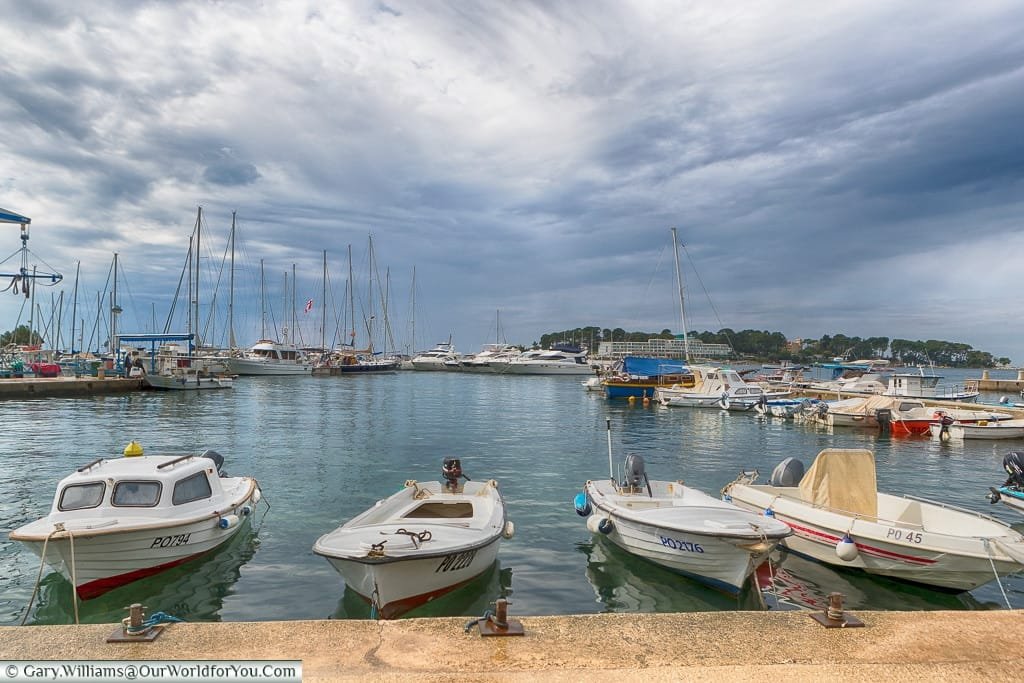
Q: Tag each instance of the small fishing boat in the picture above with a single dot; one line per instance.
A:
(1011, 493)
(839, 518)
(948, 429)
(678, 527)
(119, 520)
(420, 543)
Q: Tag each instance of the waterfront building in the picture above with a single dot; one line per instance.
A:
(663, 348)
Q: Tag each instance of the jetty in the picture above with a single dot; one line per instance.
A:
(749, 646)
(64, 387)
(987, 384)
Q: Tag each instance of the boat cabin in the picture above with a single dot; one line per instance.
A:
(147, 486)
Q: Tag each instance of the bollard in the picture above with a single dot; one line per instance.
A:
(498, 624)
(833, 616)
(133, 628)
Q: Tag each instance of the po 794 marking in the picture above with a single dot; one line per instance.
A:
(170, 541)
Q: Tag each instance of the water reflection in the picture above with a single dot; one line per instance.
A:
(790, 581)
(624, 583)
(470, 600)
(194, 591)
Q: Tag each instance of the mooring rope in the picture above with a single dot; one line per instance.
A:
(992, 562)
(74, 576)
(39, 577)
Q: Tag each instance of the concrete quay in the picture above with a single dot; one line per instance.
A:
(62, 387)
(730, 646)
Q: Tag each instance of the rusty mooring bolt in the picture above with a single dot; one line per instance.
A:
(833, 616)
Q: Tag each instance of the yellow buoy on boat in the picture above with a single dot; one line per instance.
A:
(134, 448)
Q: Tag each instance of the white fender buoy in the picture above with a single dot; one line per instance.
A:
(256, 495)
(509, 530)
(598, 524)
(228, 521)
(846, 549)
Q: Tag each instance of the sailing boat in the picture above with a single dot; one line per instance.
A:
(270, 356)
(708, 386)
(366, 360)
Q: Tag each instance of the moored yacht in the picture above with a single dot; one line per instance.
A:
(441, 357)
(268, 357)
(560, 359)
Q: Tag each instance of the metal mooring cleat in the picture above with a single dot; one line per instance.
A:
(497, 623)
(134, 628)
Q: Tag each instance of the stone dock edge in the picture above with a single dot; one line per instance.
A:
(717, 646)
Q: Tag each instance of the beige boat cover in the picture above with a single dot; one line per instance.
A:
(842, 479)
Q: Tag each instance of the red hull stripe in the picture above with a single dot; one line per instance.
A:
(96, 588)
(825, 537)
(399, 607)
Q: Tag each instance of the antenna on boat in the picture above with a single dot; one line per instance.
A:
(611, 468)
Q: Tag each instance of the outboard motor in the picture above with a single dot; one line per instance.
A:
(789, 472)
(634, 474)
(884, 417)
(218, 460)
(451, 470)
(1013, 463)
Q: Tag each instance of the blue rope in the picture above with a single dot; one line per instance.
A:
(153, 620)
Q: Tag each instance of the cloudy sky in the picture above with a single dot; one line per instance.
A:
(844, 167)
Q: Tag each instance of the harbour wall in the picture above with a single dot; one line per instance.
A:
(60, 387)
(761, 646)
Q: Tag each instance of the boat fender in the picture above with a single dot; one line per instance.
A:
(256, 495)
(509, 530)
(581, 504)
(768, 512)
(846, 549)
(597, 523)
(246, 510)
(228, 521)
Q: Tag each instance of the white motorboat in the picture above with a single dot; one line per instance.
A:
(420, 543)
(1011, 493)
(269, 357)
(839, 518)
(982, 429)
(490, 358)
(441, 357)
(678, 527)
(560, 359)
(173, 368)
(714, 387)
(119, 520)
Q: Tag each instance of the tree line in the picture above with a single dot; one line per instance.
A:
(774, 346)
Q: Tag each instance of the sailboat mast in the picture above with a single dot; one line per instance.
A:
(293, 304)
(682, 308)
(74, 310)
(231, 289)
(195, 291)
(323, 308)
(351, 301)
(114, 311)
(263, 304)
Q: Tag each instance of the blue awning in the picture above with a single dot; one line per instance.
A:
(652, 367)
(11, 217)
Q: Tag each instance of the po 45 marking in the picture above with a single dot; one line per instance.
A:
(903, 535)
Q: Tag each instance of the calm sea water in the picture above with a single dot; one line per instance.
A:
(324, 449)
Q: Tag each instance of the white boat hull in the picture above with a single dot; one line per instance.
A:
(252, 366)
(191, 382)
(540, 368)
(98, 555)
(1002, 429)
(685, 531)
(901, 548)
(418, 544)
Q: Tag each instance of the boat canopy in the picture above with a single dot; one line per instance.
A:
(11, 217)
(652, 367)
(843, 479)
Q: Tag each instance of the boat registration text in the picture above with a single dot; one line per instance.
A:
(685, 546)
(456, 561)
(170, 541)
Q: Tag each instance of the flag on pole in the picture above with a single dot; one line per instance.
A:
(309, 306)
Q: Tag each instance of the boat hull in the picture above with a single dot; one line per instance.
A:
(904, 550)
(186, 383)
(249, 366)
(681, 539)
(400, 586)
(97, 559)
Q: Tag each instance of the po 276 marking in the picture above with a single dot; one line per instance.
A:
(170, 541)
(680, 545)
(901, 535)
(456, 561)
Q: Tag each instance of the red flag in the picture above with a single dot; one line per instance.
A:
(309, 306)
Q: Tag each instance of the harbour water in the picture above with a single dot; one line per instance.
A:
(325, 449)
